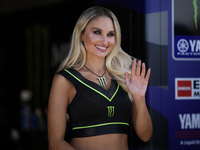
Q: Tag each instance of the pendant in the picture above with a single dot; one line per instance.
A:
(102, 81)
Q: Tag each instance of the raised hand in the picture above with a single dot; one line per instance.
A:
(138, 80)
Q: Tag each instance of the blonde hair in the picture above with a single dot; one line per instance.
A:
(117, 61)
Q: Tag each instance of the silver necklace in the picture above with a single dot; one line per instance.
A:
(101, 79)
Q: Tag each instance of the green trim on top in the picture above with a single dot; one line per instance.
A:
(109, 99)
(103, 124)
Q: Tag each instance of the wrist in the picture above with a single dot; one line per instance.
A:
(139, 98)
(139, 102)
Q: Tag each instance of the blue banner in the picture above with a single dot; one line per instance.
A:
(186, 47)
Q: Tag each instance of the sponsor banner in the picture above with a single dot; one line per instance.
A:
(183, 106)
(187, 88)
(186, 47)
(185, 30)
(189, 132)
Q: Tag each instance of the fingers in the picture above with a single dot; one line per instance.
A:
(148, 74)
(126, 77)
(133, 67)
(143, 70)
(136, 70)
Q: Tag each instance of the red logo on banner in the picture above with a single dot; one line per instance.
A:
(184, 88)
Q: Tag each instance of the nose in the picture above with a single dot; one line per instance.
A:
(104, 40)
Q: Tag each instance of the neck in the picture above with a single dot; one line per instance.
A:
(96, 66)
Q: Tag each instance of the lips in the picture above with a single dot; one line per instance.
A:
(101, 48)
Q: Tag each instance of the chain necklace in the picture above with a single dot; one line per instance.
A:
(101, 79)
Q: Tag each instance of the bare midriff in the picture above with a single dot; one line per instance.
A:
(101, 142)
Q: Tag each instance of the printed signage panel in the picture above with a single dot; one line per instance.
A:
(188, 135)
(186, 30)
(187, 88)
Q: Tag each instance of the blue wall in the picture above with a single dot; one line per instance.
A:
(162, 24)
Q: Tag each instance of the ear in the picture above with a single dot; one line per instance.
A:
(82, 37)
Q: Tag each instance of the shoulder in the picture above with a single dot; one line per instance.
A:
(61, 88)
(60, 82)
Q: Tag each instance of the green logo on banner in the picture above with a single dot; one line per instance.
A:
(195, 13)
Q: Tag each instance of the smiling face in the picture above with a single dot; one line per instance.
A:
(99, 37)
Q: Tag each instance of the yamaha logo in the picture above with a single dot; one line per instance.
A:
(187, 47)
(182, 45)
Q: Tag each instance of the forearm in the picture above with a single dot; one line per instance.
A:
(142, 120)
(60, 144)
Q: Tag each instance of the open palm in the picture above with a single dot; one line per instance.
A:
(137, 81)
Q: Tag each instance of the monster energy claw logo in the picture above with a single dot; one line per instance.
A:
(195, 13)
(102, 81)
(111, 111)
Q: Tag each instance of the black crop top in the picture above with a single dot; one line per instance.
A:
(95, 110)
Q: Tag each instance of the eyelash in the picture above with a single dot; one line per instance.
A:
(98, 32)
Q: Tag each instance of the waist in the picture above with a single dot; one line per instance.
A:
(100, 129)
(105, 142)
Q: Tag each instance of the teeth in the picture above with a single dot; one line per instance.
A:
(101, 47)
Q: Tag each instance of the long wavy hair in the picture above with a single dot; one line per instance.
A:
(117, 61)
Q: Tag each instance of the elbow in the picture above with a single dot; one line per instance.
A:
(50, 145)
(146, 136)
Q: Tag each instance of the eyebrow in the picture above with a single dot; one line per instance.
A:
(100, 29)
(96, 29)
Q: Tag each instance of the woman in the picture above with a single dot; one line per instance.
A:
(98, 89)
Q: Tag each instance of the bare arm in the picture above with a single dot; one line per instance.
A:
(57, 113)
(137, 85)
(141, 120)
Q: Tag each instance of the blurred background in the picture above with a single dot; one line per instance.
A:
(35, 37)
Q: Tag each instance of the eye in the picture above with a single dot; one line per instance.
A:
(97, 32)
(111, 34)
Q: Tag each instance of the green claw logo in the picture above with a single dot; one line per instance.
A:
(111, 111)
(195, 13)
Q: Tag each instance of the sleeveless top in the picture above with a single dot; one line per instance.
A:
(95, 110)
